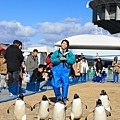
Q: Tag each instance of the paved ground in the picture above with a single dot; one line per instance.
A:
(88, 92)
(4, 94)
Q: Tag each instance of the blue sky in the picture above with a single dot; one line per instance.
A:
(30, 12)
(43, 22)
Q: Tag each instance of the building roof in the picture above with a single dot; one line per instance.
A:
(88, 41)
(94, 3)
(46, 49)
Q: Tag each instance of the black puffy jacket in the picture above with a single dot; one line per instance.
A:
(14, 58)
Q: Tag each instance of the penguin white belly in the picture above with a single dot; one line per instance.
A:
(24, 117)
(20, 110)
(76, 109)
(43, 111)
(99, 113)
(58, 112)
(105, 102)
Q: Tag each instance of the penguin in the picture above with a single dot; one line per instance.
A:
(105, 100)
(43, 111)
(20, 108)
(99, 113)
(76, 108)
(59, 110)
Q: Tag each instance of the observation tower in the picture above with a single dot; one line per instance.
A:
(106, 14)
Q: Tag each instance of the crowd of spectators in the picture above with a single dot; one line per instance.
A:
(14, 70)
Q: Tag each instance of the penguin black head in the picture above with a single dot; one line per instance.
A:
(76, 96)
(44, 98)
(103, 92)
(98, 102)
(21, 96)
(61, 100)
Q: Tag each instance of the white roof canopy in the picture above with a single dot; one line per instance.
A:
(88, 41)
(42, 49)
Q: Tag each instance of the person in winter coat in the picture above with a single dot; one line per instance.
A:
(38, 79)
(14, 59)
(62, 60)
(84, 69)
(98, 76)
(32, 62)
(3, 69)
(99, 65)
(77, 68)
(48, 61)
(116, 67)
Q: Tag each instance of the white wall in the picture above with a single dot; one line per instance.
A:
(106, 53)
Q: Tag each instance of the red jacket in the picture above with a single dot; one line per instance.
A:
(48, 61)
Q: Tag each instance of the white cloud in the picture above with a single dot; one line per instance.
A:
(53, 32)
(14, 30)
(68, 19)
(26, 31)
(49, 32)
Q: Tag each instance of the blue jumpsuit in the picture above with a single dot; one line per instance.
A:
(61, 71)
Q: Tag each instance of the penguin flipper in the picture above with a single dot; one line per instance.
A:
(11, 107)
(110, 105)
(29, 106)
(68, 106)
(85, 105)
(37, 104)
(108, 113)
(90, 114)
(110, 108)
(51, 106)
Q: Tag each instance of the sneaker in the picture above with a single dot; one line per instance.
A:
(40, 90)
(11, 95)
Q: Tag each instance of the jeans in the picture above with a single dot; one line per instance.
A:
(40, 85)
(83, 78)
(2, 81)
(77, 79)
(115, 77)
(13, 82)
(43, 83)
(35, 85)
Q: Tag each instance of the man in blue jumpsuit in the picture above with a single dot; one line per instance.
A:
(62, 60)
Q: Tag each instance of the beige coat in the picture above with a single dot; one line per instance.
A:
(116, 66)
(3, 66)
(77, 68)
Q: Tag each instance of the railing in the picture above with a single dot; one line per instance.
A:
(91, 73)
